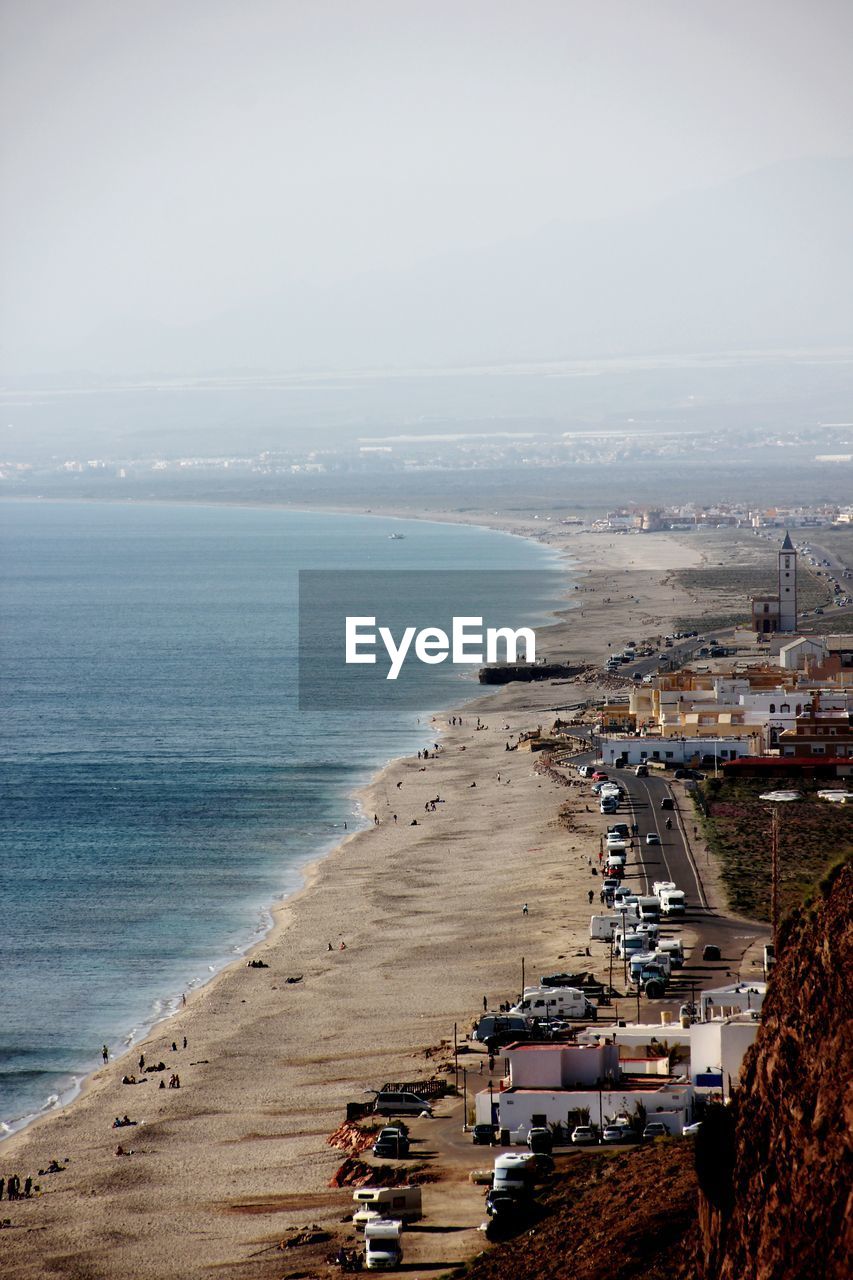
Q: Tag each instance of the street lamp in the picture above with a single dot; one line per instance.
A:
(776, 799)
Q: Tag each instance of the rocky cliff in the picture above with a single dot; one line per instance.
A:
(774, 1168)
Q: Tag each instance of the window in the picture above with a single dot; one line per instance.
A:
(772, 706)
(786, 706)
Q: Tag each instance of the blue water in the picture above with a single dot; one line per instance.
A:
(159, 788)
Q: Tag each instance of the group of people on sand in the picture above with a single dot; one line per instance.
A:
(14, 1190)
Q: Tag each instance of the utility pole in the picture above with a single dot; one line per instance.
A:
(464, 1099)
(455, 1060)
(522, 977)
(774, 871)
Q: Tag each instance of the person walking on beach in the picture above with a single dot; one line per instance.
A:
(524, 909)
(185, 1042)
(105, 1054)
(376, 819)
(142, 1062)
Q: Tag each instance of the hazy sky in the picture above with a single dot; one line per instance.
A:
(167, 161)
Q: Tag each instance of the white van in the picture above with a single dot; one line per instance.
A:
(639, 961)
(674, 948)
(648, 908)
(673, 902)
(628, 945)
(383, 1244)
(660, 886)
(555, 1002)
(384, 1202)
(514, 1171)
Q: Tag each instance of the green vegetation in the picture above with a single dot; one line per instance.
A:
(814, 835)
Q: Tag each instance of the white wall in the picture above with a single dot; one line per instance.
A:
(516, 1108)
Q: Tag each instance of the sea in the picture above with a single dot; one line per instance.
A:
(160, 786)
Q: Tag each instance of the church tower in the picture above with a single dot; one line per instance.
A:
(787, 586)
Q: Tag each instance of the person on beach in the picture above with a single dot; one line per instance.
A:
(105, 1054)
(342, 946)
(28, 1186)
(142, 1062)
(329, 946)
(174, 1047)
(376, 819)
(524, 910)
(185, 1042)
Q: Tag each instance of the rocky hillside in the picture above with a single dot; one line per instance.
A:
(775, 1168)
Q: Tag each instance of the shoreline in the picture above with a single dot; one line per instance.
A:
(146, 1027)
(363, 1015)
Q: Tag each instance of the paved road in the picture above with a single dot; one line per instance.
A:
(674, 859)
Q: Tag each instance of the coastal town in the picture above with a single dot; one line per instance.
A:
(420, 1121)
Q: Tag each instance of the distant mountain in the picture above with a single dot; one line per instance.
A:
(764, 261)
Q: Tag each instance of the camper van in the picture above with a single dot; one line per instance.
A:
(673, 902)
(555, 1002)
(615, 842)
(674, 948)
(516, 1172)
(644, 960)
(660, 885)
(383, 1244)
(629, 944)
(602, 928)
(648, 908)
(384, 1202)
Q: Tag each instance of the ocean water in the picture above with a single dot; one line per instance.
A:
(159, 787)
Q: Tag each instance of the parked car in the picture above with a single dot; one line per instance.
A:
(690, 1130)
(655, 1130)
(617, 1133)
(710, 952)
(390, 1102)
(540, 1139)
(653, 838)
(641, 771)
(583, 1135)
(484, 1135)
(392, 1143)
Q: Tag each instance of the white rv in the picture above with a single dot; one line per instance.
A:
(603, 928)
(673, 902)
(515, 1171)
(384, 1202)
(554, 1002)
(383, 1244)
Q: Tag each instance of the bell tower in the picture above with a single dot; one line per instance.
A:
(787, 585)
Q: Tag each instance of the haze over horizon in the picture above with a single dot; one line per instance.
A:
(205, 187)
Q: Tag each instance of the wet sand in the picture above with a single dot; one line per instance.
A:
(431, 918)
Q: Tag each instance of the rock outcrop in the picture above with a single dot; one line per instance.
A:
(774, 1168)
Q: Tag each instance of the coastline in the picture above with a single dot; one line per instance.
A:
(213, 1016)
(268, 909)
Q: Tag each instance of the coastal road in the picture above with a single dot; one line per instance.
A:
(677, 858)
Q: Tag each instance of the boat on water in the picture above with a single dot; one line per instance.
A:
(396, 537)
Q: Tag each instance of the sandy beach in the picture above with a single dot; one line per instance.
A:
(430, 920)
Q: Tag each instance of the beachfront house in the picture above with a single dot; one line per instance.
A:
(575, 1084)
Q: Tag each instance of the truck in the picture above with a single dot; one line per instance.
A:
(383, 1244)
(554, 1002)
(383, 1202)
(494, 1024)
(673, 902)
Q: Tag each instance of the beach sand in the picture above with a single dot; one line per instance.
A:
(237, 1159)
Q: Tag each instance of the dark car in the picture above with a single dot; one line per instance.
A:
(391, 1144)
(710, 952)
(667, 803)
(484, 1135)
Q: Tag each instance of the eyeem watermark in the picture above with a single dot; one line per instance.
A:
(371, 639)
(469, 642)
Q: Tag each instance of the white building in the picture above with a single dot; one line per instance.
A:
(676, 751)
(574, 1084)
(717, 1051)
(793, 655)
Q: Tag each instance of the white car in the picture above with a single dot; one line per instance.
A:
(690, 1130)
